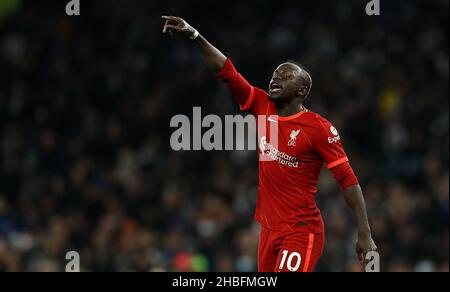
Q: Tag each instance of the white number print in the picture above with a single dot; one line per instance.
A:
(290, 259)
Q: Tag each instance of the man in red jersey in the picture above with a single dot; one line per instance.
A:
(292, 231)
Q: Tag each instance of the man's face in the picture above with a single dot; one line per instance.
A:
(285, 83)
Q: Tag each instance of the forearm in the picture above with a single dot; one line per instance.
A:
(355, 200)
(239, 88)
(213, 58)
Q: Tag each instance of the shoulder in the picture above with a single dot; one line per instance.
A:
(316, 120)
(261, 92)
(260, 95)
(319, 125)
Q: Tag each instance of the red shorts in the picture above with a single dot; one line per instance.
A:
(291, 251)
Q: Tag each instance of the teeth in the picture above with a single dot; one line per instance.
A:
(275, 86)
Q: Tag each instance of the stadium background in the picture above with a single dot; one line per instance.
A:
(85, 105)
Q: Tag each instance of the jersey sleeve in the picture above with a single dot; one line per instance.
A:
(344, 175)
(327, 143)
(249, 98)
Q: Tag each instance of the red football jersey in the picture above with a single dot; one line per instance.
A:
(288, 167)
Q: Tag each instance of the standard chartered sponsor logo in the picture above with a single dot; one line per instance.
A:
(262, 145)
(271, 151)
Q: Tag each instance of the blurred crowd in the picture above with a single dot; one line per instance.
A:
(85, 109)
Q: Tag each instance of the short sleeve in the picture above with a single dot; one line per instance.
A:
(327, 142)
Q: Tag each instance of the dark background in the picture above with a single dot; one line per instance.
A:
(85, 106)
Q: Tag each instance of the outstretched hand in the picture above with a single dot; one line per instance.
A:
(177, 25)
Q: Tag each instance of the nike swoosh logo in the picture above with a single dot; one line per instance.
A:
(272, 120)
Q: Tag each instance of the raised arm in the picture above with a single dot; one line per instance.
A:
(218, 63)
(214, 59)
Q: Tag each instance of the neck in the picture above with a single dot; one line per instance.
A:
(289, 108)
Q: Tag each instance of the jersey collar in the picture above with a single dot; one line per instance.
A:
(288, 118)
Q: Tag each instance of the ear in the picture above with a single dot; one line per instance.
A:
(302, 90)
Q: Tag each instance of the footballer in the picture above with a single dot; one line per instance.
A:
(292, 229)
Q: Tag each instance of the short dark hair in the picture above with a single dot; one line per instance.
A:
(306, 77)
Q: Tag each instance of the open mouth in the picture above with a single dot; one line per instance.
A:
(275, 87)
